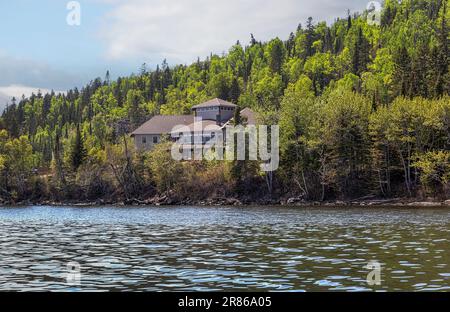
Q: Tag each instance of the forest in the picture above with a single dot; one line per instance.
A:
(363, 110)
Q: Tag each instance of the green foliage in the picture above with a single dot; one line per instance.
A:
(346, 139)
(16, 164)
(356, 104)
(165, 171)
(134, 106)
(78, 152)
(275, 55)
(435, 172)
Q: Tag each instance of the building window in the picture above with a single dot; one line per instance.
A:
(144, 140)
(155, 140)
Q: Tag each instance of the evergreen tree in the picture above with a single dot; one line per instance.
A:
(290, 45)
(405, 58)
(360, 53)
(237, 116)
(402, 72)
(442, 56)
(58, 163)
(310, 37)
(78, 152)
(234, 91)
(276, 55)
(349, 21)
(252, 40)
(107, 78)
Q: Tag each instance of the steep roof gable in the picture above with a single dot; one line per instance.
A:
(214, 103)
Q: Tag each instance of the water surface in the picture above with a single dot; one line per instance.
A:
(226, 249)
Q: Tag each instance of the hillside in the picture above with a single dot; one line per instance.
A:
(364, 110)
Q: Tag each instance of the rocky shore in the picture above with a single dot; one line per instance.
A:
(164, 200)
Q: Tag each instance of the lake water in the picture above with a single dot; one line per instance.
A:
(223, 249)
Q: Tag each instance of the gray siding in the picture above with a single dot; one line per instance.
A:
(226, 113)
(146, 141)
(210, 113)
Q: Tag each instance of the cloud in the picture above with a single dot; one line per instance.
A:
(8, 92)
(18, 90)
(26, 72)
(20, 76)
(181, 30)
(4, 99)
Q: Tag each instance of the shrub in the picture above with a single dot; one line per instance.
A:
(435, 172)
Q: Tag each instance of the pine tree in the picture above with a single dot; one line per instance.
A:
(143, 69)
(58, 160)
(107, 78)
(237, 116)
(349, 21)
(290, 45)
(360, 53)
(252, 40)
(78, 153)
(386, 18)
(355, 58)
(310, 35)
(234, 91)
(442, 57)
(276, 55)
(328, 43)
(402, 71)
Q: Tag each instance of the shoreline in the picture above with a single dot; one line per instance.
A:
(229, 202)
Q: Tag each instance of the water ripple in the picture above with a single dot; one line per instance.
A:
(192, 249)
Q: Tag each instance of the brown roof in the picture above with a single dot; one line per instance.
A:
(163, 124)
(213, 103)
(200, 126)
(249, 115)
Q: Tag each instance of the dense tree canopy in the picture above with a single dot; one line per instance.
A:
(363, 109)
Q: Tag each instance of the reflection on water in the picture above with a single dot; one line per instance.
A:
(276, 249)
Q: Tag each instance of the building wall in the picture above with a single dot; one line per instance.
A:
(146, 142)
(226, 113)
(207, 112)
(210, 113)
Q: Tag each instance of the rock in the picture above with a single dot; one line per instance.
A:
(380, 202)
(294, 200)
(161, 200)
(24, 203)
(424, 204)
(233, 201)
(83, 204)
(446, 203)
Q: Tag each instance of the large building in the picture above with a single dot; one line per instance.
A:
(215, 113)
